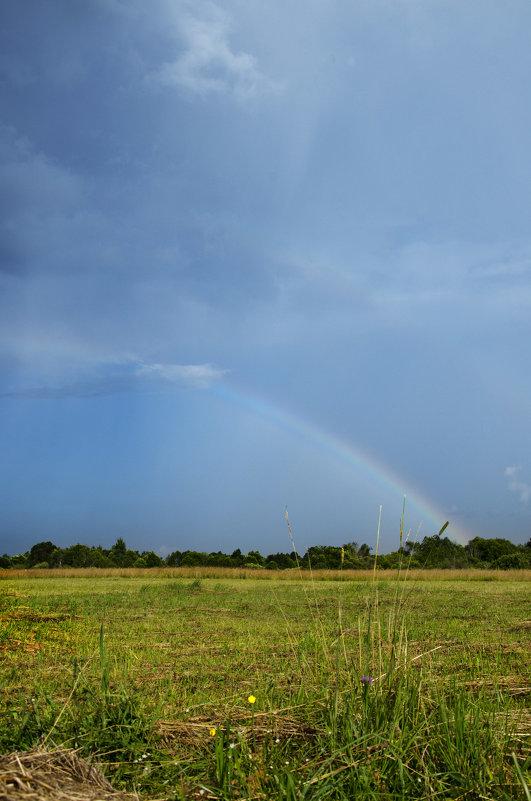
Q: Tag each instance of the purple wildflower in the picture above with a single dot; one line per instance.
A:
(367, 679)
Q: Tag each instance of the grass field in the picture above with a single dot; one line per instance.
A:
(365, 687)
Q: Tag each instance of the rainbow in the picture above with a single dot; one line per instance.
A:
(351, 455)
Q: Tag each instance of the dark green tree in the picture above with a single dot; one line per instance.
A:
(219, 559)
(41, 552)
(283, 561)
(323, 557)
(489, 550)
(237, 558)
(255, 556)
(194, 559)
(99, 558)
(77, 556)
(513, 561)
(121, 556)
(439, 552)
(152, 559)
(174, 559)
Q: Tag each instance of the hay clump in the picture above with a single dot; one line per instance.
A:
(196, 731)
(60, 775)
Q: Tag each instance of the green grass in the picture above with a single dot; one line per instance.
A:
(138, 669)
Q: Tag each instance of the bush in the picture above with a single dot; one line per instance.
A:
(512, 561)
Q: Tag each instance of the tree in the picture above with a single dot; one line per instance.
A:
(237, 558)
(174, 559)
(99, 558)
(283, 561)
(255, 556)
(118, 552)
(151, 559)
(121, 556)
(77, 556)
(20, 560)
(489, 550)
(512, 561)
(364, 551)
(440, 552)
(193, 559)
(219, 559)
(323, 557)
(41, 552)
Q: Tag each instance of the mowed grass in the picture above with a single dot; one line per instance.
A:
(151, 672)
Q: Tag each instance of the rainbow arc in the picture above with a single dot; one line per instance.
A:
(350, 454)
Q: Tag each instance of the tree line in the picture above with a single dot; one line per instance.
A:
(431, 552)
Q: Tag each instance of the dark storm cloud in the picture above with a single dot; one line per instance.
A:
(333, 202)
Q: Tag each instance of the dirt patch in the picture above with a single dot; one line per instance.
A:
(10, 644)
(33, 616)
(525, 625)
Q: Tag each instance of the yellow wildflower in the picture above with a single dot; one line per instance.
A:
(251, 699)
(212, 732)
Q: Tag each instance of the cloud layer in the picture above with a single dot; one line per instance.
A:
(206, 63)
(108, 379)
(326, 209)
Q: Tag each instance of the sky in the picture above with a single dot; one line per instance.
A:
(258, 256)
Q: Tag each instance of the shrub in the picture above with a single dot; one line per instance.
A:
(512, 561)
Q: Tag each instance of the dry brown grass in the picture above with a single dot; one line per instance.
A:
(59, 775)
(293, 574)
(199, 730)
